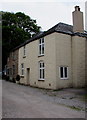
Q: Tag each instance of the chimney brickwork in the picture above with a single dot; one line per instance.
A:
(78, 20)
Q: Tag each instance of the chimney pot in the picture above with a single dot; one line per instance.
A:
(77, 8)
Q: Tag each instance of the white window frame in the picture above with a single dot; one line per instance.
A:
(41, 70)
(22, 69)
(63, 72)
(41, 46)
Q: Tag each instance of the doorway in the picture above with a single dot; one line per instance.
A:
(28, 76)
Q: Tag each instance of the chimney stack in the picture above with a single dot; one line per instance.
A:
(78, 20)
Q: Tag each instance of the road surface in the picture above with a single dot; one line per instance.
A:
(20, 101)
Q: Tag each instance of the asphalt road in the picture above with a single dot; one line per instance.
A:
(25, 102)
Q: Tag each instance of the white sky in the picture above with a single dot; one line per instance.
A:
(46, 12)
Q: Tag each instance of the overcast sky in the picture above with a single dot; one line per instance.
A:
(46, 12)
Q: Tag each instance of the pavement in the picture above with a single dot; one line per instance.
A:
(20, 101)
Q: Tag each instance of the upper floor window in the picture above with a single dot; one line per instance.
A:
(13, 55)
(41, 46)
(63, 71)
(41, 70)
(24, 51)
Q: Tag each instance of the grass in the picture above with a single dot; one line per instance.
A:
(75, 108)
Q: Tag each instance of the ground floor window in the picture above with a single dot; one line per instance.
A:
(7, 72)
(22, 69)
(10, 71)
(63, 72)
(13, 69)
(41, 70)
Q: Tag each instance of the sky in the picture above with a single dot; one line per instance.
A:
(47, 13)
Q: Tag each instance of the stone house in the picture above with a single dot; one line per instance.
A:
(56, 58)
(12, 65)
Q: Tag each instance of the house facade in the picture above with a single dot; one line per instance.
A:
(56, 58)
(59, 63)
(12, 65)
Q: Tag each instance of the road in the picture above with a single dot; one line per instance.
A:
(20, 101)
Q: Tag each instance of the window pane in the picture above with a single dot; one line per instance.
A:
(43, 65)
(42, 48)
(22, 69)
(24, 50)
(61, 72)
(42, 40)
(40, 73)
(65, 72)
(43, 74)
(22, 72)
(39, 49)
(40, 65)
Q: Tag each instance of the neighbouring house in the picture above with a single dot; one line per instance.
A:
(56, 58)
(12, 65)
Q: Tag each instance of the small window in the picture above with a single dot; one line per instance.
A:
(41, 46)
(22, 69)
(10, 71)
(63, 72)
(41, 71)
(24, 51)
(13, 69)
(7, 71)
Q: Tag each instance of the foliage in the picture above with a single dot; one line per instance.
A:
(18, 77)
(16, 28)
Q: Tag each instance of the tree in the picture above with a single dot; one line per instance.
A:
(16, 28)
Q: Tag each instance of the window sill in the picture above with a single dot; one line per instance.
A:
(24, 56)
(40, 55)
(64, 78)
(41, 80)
(22, 76)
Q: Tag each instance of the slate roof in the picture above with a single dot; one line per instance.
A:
(60, 28)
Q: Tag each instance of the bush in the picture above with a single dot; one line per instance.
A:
(18, 77)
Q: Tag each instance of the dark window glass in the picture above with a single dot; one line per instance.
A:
(40, 73)
(43, 74)
(65, 72)
(61, 72)
(42, 48)
(40, 41)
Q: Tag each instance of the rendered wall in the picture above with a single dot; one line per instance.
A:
(32, 59)
(78, 61)
(63, 58)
